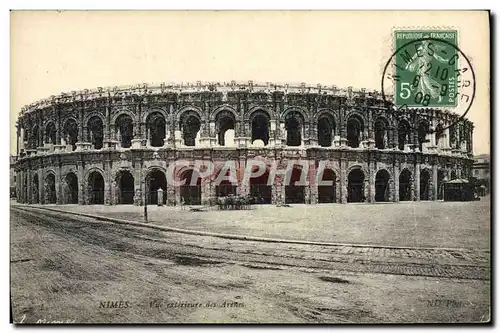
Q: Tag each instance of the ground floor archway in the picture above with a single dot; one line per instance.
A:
(441, 175)
(96, 188)
(327, 193)
(191, 194)
(294, 191)
(260, 191)
(50, 189)
(405, 186)
(72, 188)
(382, 192)
(36, 190)
(425, 178)
(355, 186)
(125, 184)
(155, 180)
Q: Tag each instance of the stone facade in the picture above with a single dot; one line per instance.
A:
(113, 146)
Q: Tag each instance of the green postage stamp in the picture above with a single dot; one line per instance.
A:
(426, 68)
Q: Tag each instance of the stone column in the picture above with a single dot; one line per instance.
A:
(343, 180)
(434, 186)
(81, 182)
(59, 192)
(313, 185)
(395, 195)
(29, 187)
(138, 195)
(107, 181)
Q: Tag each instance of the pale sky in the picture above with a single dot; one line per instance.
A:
(60, 52)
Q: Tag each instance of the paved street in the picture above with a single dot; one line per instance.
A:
(65, 267)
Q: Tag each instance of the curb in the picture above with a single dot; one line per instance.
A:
(238, 237)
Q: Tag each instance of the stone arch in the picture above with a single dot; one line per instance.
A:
(71, 188)
(260, 124)
(355, 126)
(381, 130)
(124, 129)
(95, 131)
(155, 179)
(328, 193)
(302, 111)
(156, 128)
(295, 193)
(356, 184)
(50, 132)
(95, 186)
(190, 125)
(326, 127)
(403, 133)
(92, 114)
(124, 187)
(405, 185)
(294, 126)
(50, 187)
(70, 132)
(224, 121)
(190, 194)
(148, 111)
(221, 108)
(425, 184)
(440, 136)
(422, 131)
(127, 112)
(34, 140)
(36, 189)
(188, 109)
(383, 180)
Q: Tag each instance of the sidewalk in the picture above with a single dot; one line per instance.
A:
(412, 224)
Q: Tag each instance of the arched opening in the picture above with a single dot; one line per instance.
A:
(355, 127)
(124, 127)
(224, 121)
(439, 136)
(155, 180)
(293, 125)
(260, 127)
(96, 188)
(405, 185)
(36, 189)
(382, 186)
(403, 131)
(225, 187)
(190, 129)
(70, 133)
(260, 191)
(191, 194)
(327, 193)
(95, 132)
(453, 175)
(50, 189)
(440, 184)
(425, 178)
(50, 133)
(355, 186)
(72, 185)
(326, 131)
(423, 129)
(125, 183)
(35, 138)
(381, 133)
(156, 132)
(294, 190)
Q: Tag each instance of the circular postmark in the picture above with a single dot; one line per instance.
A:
(429, 73)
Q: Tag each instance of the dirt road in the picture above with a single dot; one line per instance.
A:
(73, 269)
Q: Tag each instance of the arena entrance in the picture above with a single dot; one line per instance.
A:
(155, 180)
(125, 182)
(382, 186)
(260, 191)
(327, 193)
(225, 188)
(425, 177)
(50, 188)
(36, 188)
(72, 183)
(191, 195)
(294, 194)
(405, 185)
(96, 187)
(355, 186)
(440, 184)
